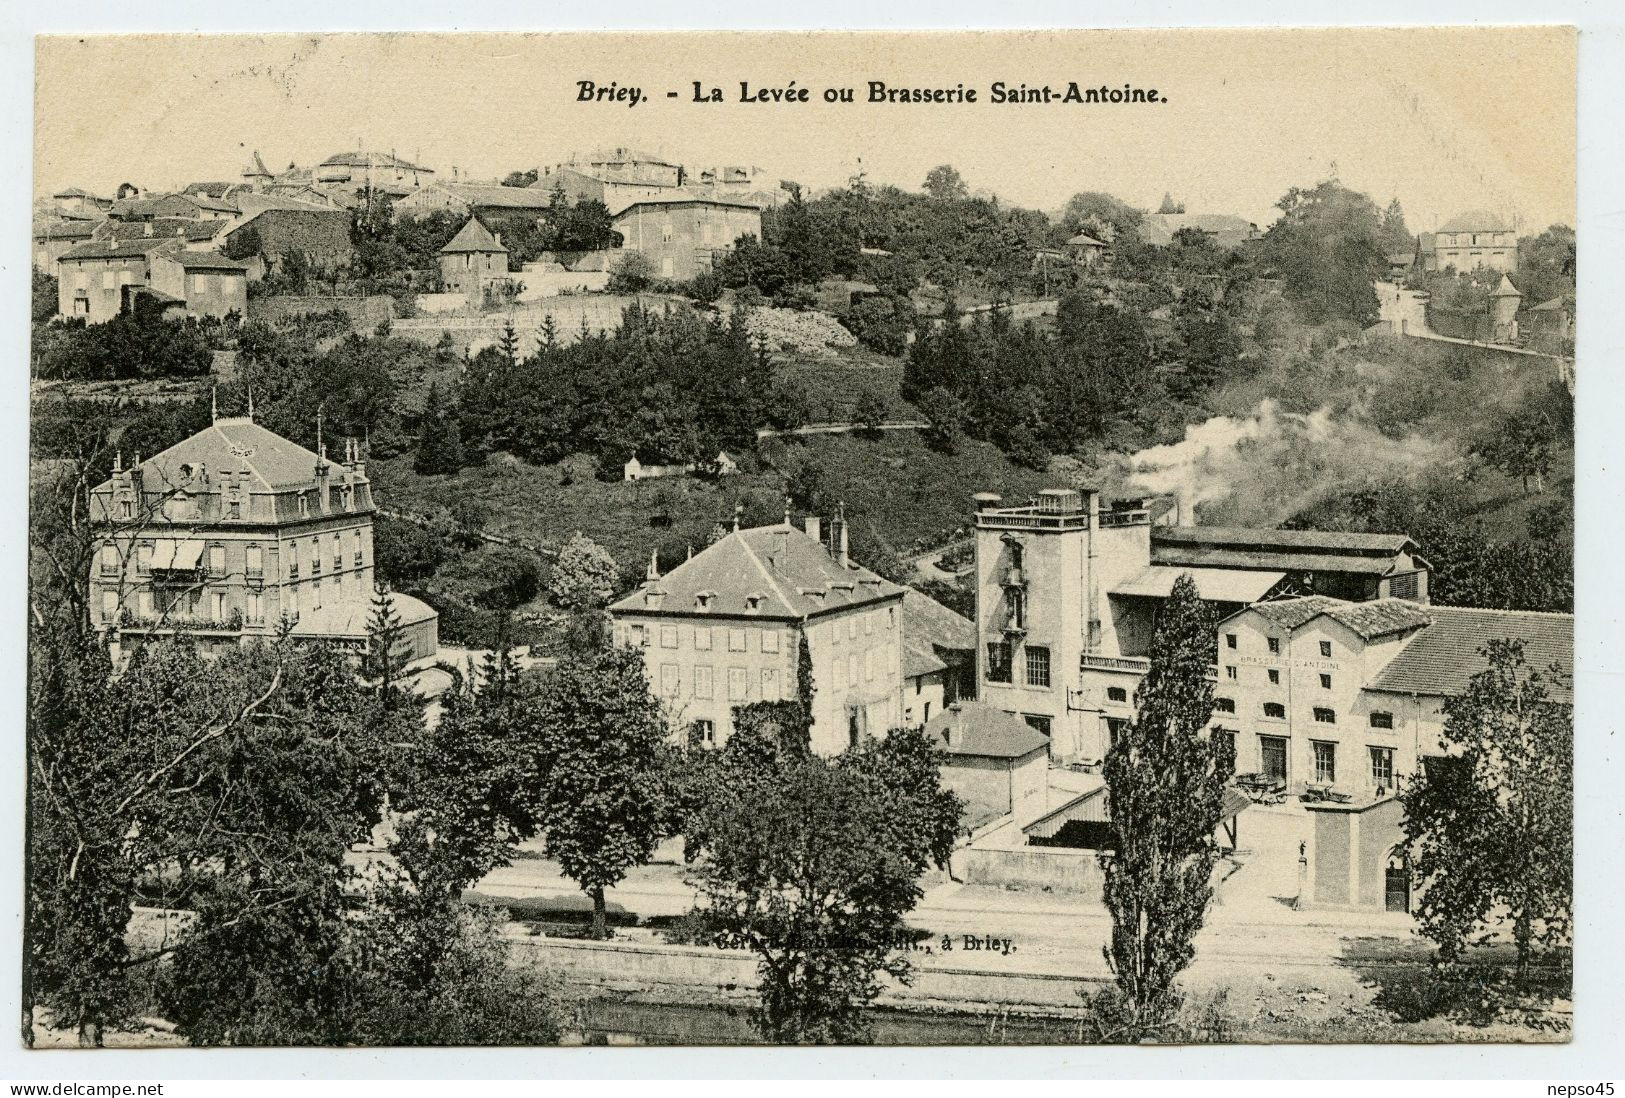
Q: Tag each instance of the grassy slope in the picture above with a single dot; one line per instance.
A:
(897, 491)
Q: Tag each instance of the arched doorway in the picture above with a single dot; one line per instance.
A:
(1397, 881)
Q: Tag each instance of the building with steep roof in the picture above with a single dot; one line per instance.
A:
(474, 199)
(1473, 239)
(1225, 230)
(234, 531)
(55, 237)
(1068, 593)
(473, 260)
(995, 761)
(99, 279)
(80, 203)
(372, 171)
(1321, 693)
(682, 232)
(724, 629)
(939, 657)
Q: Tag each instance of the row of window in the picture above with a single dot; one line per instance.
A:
(1273, 758)
(1323, 715)
(703, 683)
(1232, 641)
(1233, 674)
(1035, 664)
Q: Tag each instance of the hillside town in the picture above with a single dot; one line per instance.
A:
(690, 587)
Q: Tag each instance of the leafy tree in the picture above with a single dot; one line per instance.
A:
(1327, 247)
(600, 754)
(1166, 780)
(404, 552)
(1546, 265)
(1169, 205)
(943, 182)
(1521, 444)
(45, 296)
(584, 575)
(946, 414)
(630, 274)
(234, 787)
(812, 864)
(1096, 210)
(1491, 826)
(870, 410)
(526, 178)
(472, 798)
(440, 441)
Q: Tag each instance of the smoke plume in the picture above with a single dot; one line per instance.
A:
(1261, 469)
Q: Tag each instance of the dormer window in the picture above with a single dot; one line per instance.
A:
(702, 599)
(753, 602)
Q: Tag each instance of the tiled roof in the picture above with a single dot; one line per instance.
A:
(187, 228)
(473, 237)
(1505, 288)
(253, 202)
(234, 444)
(1212, 584)
(1245, 537)
(65, 230)
(790, 574)
(349, 617)
(1084, 239)
(78, 192)
(1476, 221)
(682, 196)
(364, 159)
(205, 261)
(496, 195)
(1377, 618)
(1441, 659)
(1563, 303)
(929, 626)
(134, 248)
(1160, 228)
(974, 728)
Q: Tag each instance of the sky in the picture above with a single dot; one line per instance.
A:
(1445, 119)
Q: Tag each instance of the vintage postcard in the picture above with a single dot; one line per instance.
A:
(802, 538)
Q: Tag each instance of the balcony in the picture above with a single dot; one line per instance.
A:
(1132, 665)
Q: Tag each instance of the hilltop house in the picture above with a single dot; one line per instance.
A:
(682, 233)
(100, 279)
(233, 531)
(473, 260)
(724, 629)
(1472, 239)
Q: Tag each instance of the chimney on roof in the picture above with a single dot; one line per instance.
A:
(814, 528)
(739, 512)
(653, 573)
(845, 556)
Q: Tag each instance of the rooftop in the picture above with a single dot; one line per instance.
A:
(369, 160)
(1277, 550)
(1370, 620)
(1476, 221)
(1441, 659)
(974, 728)
(496, 195)
(138, 247)
(788, 574)
(682, 196)
(473, 237)
(232, 444)
(928, 628)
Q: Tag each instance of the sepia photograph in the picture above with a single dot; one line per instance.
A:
(1042, 538)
